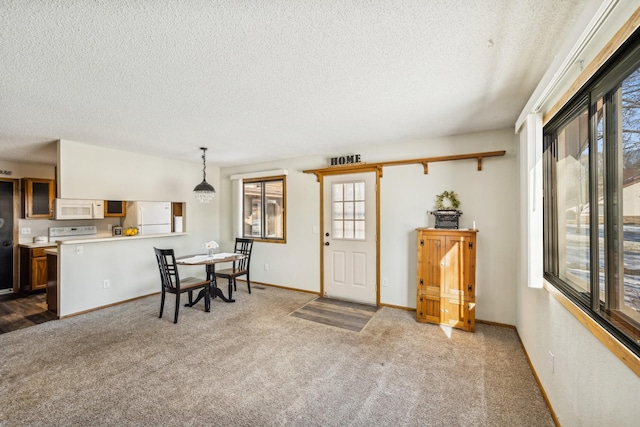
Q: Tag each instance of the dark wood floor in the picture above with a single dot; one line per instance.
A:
(21, 311)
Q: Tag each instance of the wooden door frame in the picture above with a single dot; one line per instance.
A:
(16, 218)
(347, 171)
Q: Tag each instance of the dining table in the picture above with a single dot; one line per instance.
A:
(210, 261)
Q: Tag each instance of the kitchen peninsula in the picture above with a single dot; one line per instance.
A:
(97, 272)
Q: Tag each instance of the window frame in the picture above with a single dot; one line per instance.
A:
(263, 216)
(602, 86)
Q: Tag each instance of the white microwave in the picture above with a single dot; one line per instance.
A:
(79, 209)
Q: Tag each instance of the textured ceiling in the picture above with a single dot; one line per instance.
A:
(262, 80)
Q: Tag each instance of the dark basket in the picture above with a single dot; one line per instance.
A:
(447, 218)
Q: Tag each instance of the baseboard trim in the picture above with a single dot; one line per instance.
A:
(489, 322)
(399, 307)
(535, 375)
(253, 282)
(78, 313)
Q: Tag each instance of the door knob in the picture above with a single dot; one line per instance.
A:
(7, 243)
(326, 243)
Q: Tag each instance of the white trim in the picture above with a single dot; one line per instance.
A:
(535, 231)
(262, 174)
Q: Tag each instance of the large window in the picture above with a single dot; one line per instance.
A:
(592, 198)
(263, 209)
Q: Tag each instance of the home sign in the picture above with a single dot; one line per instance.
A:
(345, 160)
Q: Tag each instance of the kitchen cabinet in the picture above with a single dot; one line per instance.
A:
(33, 269)
(446, 277)
(115, 208)
(39, 195)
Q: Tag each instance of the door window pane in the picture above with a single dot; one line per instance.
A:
(348, 210)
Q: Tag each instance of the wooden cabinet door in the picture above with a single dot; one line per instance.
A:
(430, 263)
(38, 273)
(458, 313)
(446, 278)
(459, 274)
(39, 195)
(428, 309)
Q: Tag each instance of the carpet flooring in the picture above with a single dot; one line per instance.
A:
(251, 363)
(341, 314)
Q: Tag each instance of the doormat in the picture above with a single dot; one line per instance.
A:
(341, 314)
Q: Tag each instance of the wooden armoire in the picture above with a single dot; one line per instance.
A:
(446, 279)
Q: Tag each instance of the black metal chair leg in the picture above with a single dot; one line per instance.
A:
(175, 319)
(248, 282)
(162, 303)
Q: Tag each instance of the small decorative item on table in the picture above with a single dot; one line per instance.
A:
(447, 214)
(210, 246)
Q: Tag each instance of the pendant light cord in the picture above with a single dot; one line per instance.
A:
(204, 163)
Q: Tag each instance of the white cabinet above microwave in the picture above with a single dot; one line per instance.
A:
(79, 209)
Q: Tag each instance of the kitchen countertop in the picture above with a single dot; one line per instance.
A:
(100, 238)
(114, 238)
(38, 245)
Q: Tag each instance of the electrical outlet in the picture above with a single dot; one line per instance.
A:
(385, 282)
(551, 362)
(109, 227)
(266, 267)
(79, 250)
(106, 283)
(25, 230)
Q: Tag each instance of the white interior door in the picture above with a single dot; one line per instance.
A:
(350, 258)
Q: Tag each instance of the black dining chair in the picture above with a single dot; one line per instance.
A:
(240, 267)
(171, 282)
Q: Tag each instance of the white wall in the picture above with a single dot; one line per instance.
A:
(27, 170)
(128, 264)
(294, 264)
(488, 197)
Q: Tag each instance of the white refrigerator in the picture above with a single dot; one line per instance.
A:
(149, 217)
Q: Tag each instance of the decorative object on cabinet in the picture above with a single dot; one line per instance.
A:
(447, 213)
(33, 269)
(446, 278)
(38, 197)
(115, 208)
(204, 191)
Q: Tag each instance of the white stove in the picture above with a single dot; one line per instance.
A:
(73, 233)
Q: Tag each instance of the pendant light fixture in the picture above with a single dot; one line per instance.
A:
(204, 191)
